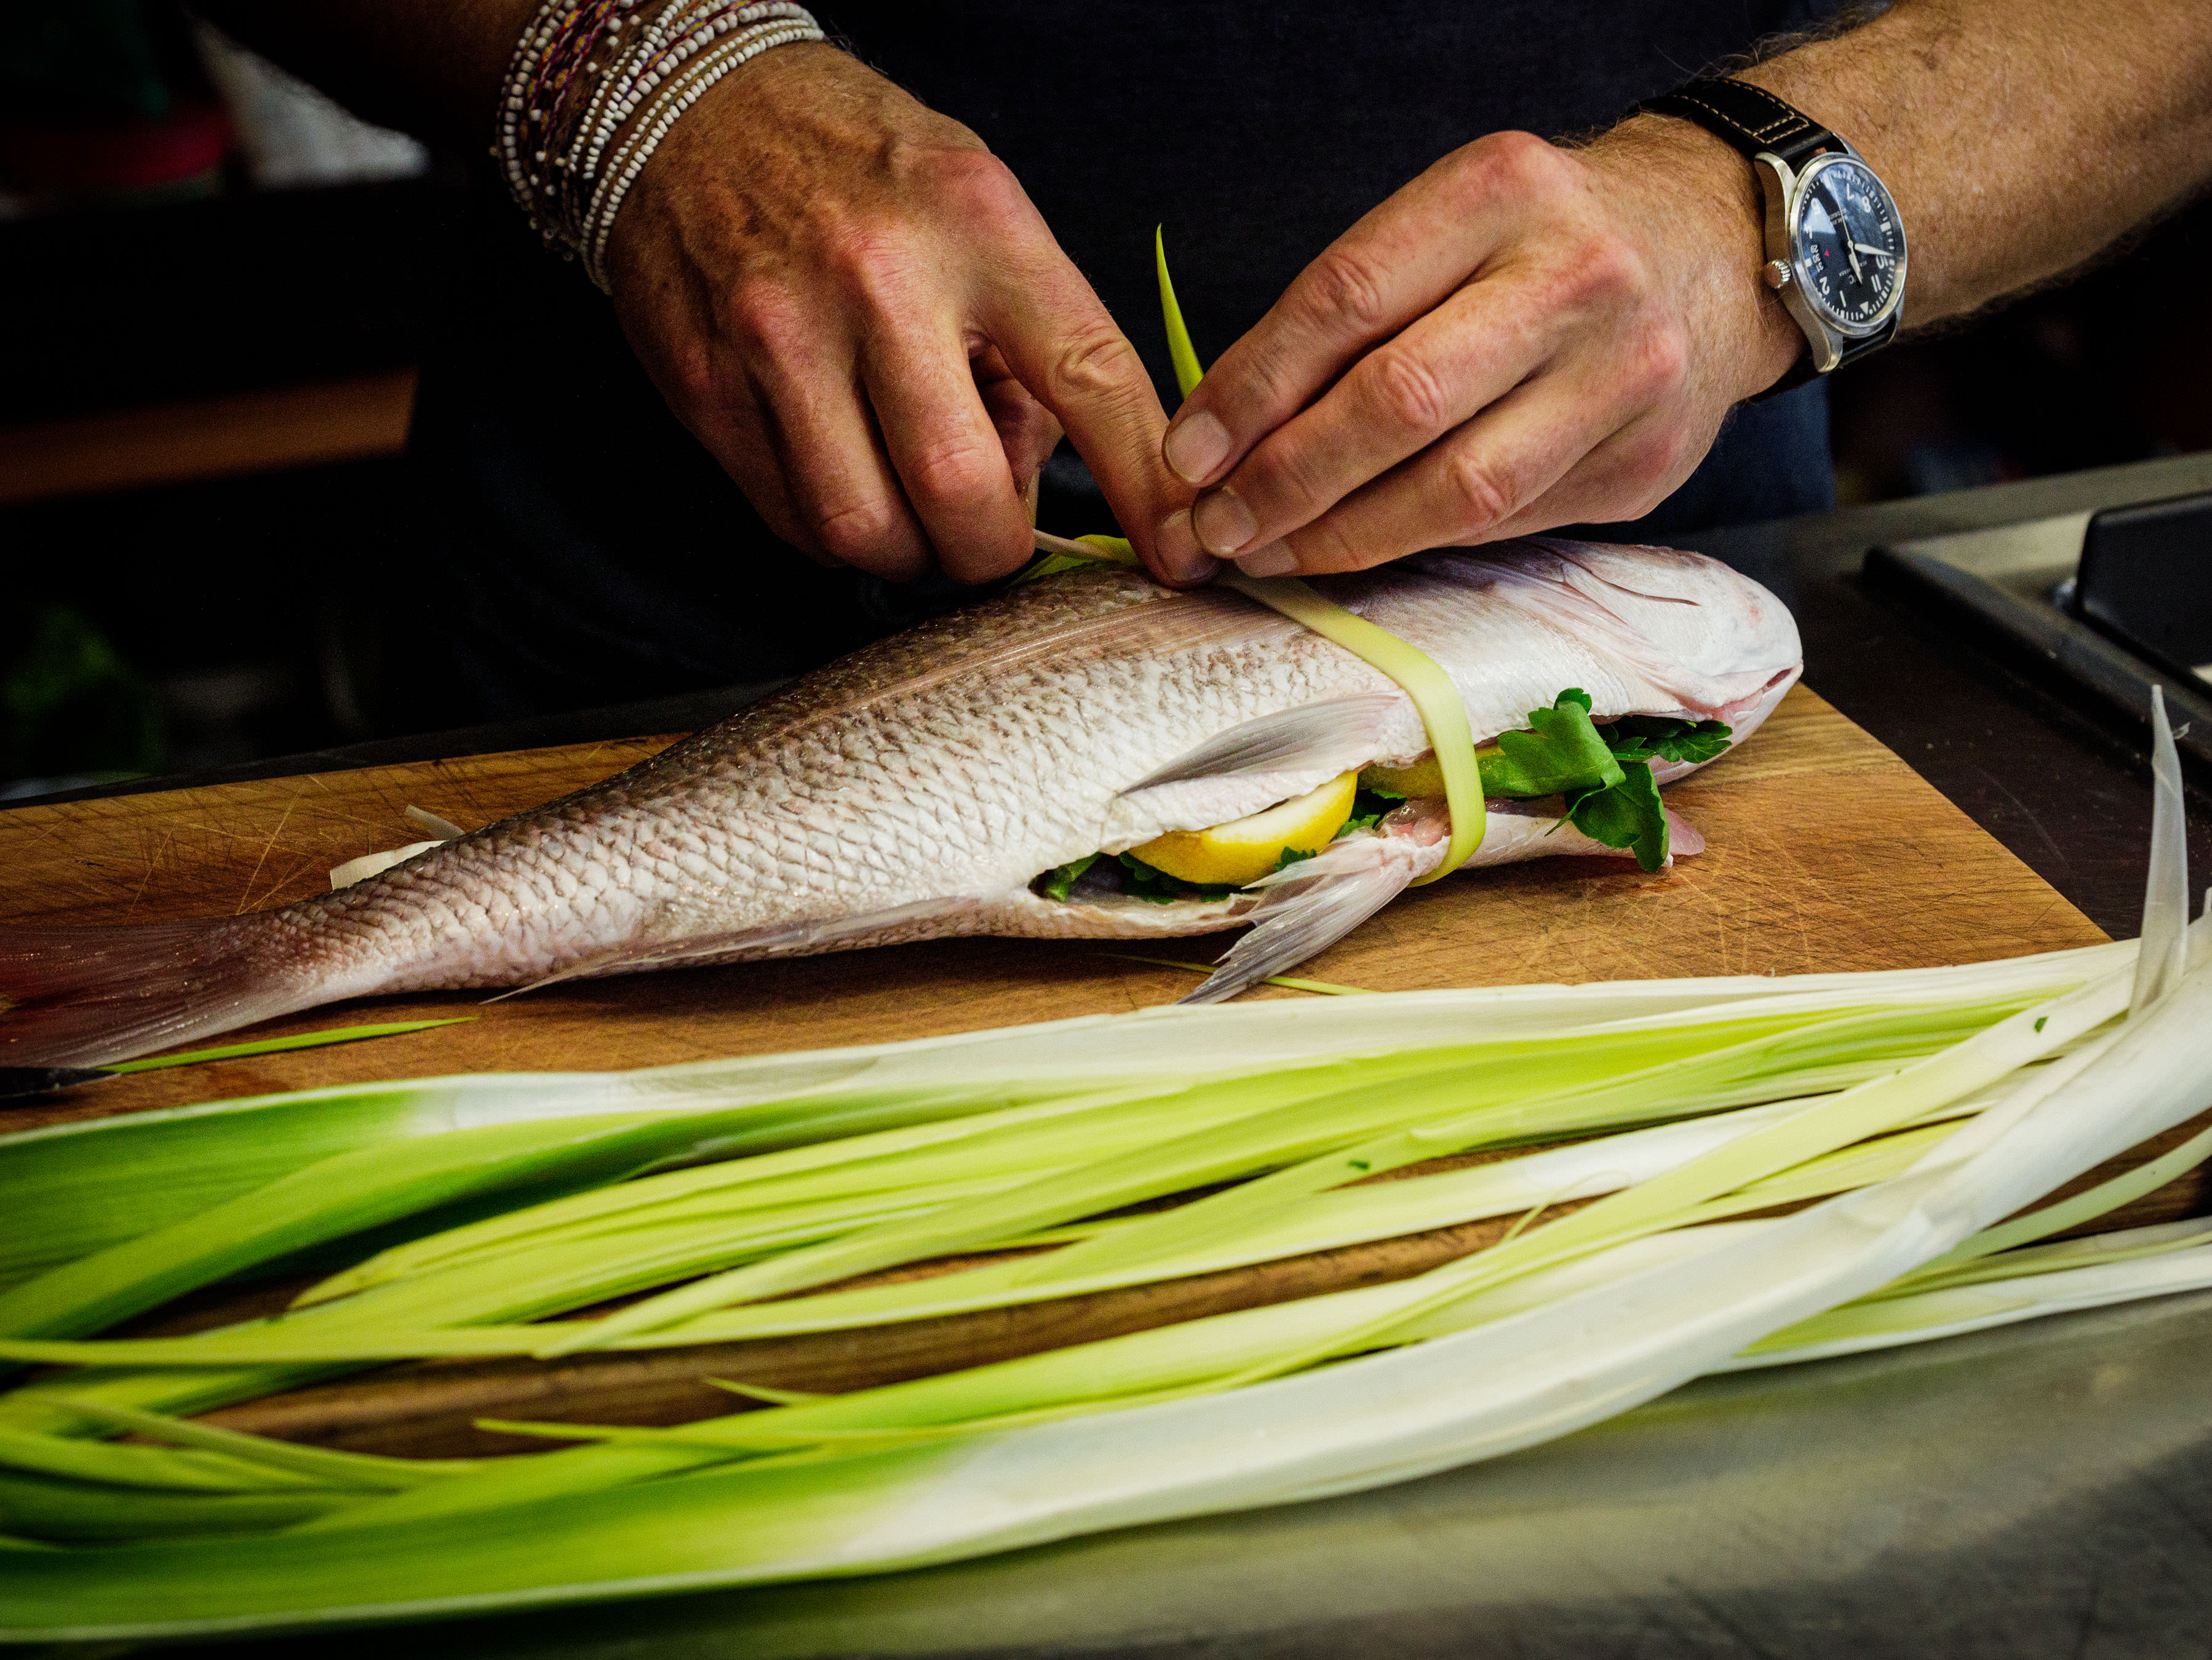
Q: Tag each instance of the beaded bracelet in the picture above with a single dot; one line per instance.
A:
(558, 43)
(679, 95)
(592, 76)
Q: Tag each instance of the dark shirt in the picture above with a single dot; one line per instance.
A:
(593, 553)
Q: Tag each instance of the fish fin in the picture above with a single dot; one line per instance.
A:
(777, 938)
(1309, 907)
(73, 997)
(1331, 737)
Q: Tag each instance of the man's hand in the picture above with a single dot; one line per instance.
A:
(855, 307)
(1524, 336)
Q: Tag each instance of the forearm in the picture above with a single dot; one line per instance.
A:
(2019, 136)
(431, 67)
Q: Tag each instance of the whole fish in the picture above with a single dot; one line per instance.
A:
(921, 788)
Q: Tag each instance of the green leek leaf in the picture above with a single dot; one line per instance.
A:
(306, 1040)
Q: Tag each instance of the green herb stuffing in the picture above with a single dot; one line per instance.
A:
(1653, 737)
(1144, 882)
(1058, 881)
(1367, 808)
(1628, 813)
(1562, 751)
(1603, 770)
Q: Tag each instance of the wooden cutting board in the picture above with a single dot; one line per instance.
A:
(1825, 852)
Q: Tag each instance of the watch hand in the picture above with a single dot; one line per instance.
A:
(1843, 235)
(1879, 253)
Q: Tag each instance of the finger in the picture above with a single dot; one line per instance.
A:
(738, 432)
(1027, 431)
(1395, 402)
(1457, 492)
(945, 450)
(1625, 478)
(1059, 343)
(836, 470)
(1396, 264)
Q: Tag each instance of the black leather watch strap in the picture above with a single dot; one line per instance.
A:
(1750, 117)
(1802, 371)
(1757, 123)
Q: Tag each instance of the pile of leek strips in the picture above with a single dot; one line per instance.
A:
(1655, 1134)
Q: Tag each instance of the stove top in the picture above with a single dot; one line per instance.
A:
(2116, 600)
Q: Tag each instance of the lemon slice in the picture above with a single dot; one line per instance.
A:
(1246, 850)
(1424, 777)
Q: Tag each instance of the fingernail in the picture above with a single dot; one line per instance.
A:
(1176, 544)
(1196, 444)
(1224, 524)
(1273, 560)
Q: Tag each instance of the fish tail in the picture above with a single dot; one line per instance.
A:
(86, 997)
(1312, 905)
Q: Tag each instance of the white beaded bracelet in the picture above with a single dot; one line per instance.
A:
(675, 99)
(636, 68)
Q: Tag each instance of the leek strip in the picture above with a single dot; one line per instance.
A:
(1188, 371)
(2086, 1207)
(75, 1188)
(319, 1464)
(81, 1513)
(1852, 1115)
(306, 1040)
(153, 1468)
(1436, 698)
(2121, 1269)
(2029, 1260)
(1296, 1132)
(1442, 711)
(1328, 987)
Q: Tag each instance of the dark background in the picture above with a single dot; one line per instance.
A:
(178, 627)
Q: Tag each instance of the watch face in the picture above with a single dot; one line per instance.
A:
(1848, 246)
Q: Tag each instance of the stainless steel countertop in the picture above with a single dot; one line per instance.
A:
(2041, 1491)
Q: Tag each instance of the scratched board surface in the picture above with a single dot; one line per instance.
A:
(1825, 852)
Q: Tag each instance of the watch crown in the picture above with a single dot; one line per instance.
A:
(1775, 274)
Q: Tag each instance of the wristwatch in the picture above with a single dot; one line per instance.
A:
(1835, 243)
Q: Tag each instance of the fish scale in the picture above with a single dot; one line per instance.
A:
(917, 787)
